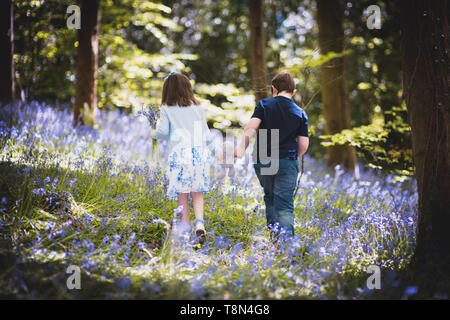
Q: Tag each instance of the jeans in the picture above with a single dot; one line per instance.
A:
(279, 191)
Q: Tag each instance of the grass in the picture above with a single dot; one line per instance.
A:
(96, 199)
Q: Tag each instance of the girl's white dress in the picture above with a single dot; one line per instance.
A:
(189, 148)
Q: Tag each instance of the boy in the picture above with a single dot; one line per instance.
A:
(278, 115)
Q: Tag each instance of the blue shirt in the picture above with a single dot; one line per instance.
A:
(283, 114)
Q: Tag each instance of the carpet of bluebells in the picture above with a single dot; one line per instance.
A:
(95, 198)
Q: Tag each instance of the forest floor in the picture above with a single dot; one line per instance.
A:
(95, 199)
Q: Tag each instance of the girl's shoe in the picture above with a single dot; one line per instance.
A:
(200, 230)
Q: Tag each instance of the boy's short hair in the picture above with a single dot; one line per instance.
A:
(284, 82)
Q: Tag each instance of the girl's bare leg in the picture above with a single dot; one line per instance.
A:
(197, 203)
(183, 201)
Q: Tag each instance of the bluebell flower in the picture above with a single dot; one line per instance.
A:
(141, 245)
(123, 283)
(71, 182)
(105, 240)
(151, 113)
(409, 291)
(39, 192)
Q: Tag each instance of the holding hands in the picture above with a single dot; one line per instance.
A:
(226, 160)
(239, 152)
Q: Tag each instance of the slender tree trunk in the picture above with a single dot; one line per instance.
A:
(336, 109)
(6, 53)
(87, 62)
(257, 48)
(426, 81)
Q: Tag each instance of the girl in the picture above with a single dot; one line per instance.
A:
(182, 122)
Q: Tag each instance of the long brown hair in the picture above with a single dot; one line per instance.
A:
(177, 91)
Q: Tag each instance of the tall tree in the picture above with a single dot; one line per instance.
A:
(257, 48)
(6, 53)
(336, 109)
(426, 81)
(87, 63)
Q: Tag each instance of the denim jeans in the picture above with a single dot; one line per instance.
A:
(279, 191)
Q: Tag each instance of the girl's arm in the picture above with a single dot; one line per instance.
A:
(162, 126)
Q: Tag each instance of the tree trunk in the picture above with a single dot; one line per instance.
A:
(87, 62)
(257, 48)
(336, 109)
(426, 81)
(6, 53)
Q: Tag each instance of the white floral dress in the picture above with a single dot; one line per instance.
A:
(188, 171)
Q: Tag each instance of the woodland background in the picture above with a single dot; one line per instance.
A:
(376, 172)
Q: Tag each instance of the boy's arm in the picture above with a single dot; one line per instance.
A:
(249, 131)
(303, 135)
(303, 144)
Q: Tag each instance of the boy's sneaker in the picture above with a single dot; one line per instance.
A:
(200, 230)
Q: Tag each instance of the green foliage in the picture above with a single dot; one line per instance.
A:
(131, 77)
(226, 105)
(44, 51)
(372, 143)
(319, 60)
(357, 137)
(131, 64)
